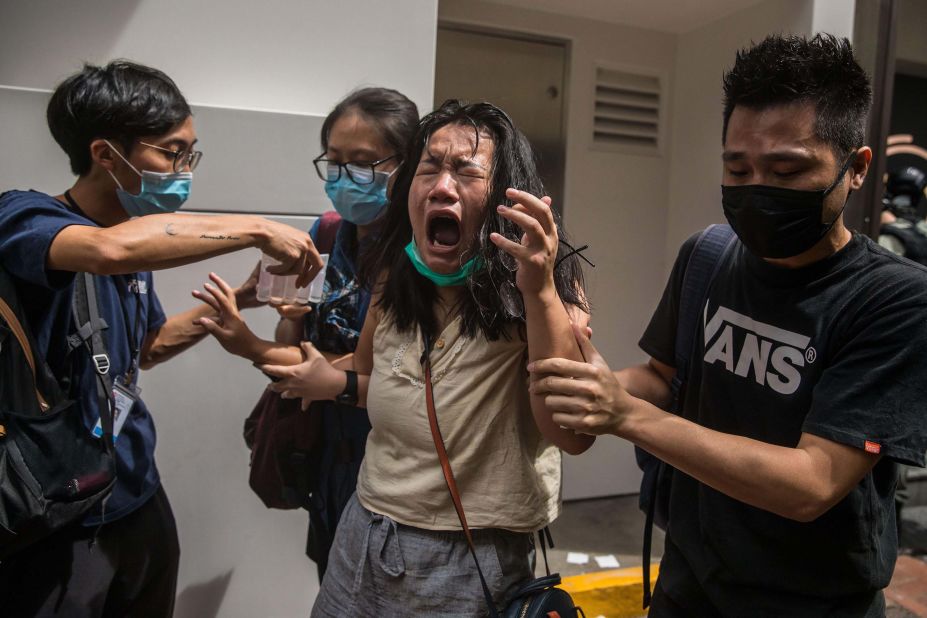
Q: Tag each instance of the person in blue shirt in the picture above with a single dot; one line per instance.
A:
(130, 139)
(362, 140)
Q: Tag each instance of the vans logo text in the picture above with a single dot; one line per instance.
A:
(771, 353)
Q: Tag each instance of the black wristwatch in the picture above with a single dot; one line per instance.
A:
(349, 395)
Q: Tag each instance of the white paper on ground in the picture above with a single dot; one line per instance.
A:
(607, 562)
(575, 557)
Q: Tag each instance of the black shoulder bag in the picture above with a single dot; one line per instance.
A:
(539, 598)
(52, 470)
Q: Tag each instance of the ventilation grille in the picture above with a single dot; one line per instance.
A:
(627, 111)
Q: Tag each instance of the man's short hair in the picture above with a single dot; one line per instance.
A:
(121, 101)
(791, 69)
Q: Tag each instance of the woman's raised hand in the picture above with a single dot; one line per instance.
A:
(537, 251)
(227, 327)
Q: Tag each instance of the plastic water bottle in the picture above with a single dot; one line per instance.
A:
(282, 290)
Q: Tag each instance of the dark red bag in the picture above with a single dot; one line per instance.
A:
(281, 436)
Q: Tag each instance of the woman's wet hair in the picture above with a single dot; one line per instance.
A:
(390, 111)
(493, 301)
(121, 102)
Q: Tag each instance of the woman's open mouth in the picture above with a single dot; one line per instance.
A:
(443, 232)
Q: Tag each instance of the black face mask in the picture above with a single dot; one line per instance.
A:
(773, 222)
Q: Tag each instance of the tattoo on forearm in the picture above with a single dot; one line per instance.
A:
(169, 230)
(220, 237)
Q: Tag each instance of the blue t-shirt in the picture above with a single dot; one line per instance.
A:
(29, 221)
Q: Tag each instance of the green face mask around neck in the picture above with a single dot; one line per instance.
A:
(455, 278)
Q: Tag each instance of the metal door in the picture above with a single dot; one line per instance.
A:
(524, 77)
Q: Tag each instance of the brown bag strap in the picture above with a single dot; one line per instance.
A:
(448, 473)
(20, 335)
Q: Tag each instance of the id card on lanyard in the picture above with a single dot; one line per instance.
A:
(125, 392)
(124, 398)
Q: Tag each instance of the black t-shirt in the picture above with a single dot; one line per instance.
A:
(835, 349)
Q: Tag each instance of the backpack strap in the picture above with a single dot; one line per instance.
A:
(329, 223)
(710, 251)
(90, 327)
(712, 245)
(9, 316)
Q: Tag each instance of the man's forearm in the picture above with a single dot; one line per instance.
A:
(153, 242)
(799, 483)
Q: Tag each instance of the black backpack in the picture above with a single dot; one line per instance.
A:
(52, 470)
(710, 250)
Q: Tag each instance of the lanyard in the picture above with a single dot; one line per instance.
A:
(132, 332)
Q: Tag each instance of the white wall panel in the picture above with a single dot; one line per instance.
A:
(282, 55)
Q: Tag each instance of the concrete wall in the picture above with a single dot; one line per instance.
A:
(614, 202)
(293, 60)
(701, 58)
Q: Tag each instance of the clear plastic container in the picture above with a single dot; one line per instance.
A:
(282, 290)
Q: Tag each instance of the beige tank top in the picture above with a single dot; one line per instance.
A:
(507, 473)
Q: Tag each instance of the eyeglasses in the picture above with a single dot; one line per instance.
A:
(182, 158)
(360, 173)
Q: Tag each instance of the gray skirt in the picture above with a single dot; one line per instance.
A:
(380, 568)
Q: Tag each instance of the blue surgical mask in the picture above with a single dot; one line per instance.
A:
(359, 204)
(455, 278)
(160, 192)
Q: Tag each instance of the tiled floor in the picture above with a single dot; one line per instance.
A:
(614, 526)
(607, 526)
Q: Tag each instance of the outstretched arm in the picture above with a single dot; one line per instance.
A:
(155, 242)
(548, 323)
(225, 323)
(230, 330)
(182, 330)
(318, 378)
(799, 483)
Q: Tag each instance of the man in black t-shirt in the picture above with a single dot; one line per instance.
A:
(806, 385)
